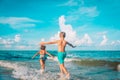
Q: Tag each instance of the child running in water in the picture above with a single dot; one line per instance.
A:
(61, 52)
(43, 57)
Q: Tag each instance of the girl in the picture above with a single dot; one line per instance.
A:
(43, 57)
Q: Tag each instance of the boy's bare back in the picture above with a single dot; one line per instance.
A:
(61, 45)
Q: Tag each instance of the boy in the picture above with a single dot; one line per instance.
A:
(61, 52)
(43, 57)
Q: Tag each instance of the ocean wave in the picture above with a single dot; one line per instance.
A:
(115, 65)
(91, 62)
(24, 72)
(97, 55)
(66, 59)
(21, 70)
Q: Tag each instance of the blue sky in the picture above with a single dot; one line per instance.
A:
(89, 24)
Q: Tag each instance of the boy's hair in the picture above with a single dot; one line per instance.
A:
(42, 47)
(64, 34)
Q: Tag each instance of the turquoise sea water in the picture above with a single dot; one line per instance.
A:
(83, 65)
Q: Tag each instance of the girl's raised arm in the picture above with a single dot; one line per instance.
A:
(35, 55)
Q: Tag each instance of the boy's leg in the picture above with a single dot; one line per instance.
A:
(65, 70)
(61, 57)
(61, 69)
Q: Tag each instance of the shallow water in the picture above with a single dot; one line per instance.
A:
(83, 65)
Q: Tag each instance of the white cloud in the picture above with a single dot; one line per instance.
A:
(89, 11)
(18, 22)
(55, 37)
(118, 41)
(26, 30)
(72, 3)
(21, 47)
(71, 35)
(17, 43)
(104, 41)
(17, 38)
(86, 39)
(83, 14)
(2, 41)
(102, 33)
(82, 9)
(115, 43)
(42, 39)
(6, 41)
(8, 46)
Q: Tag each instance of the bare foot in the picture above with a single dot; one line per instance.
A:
(68, 76)
(42, 71)
(60, 74)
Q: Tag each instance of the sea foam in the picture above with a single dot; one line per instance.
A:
(23, 72)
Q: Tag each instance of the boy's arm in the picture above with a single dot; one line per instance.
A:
(71, 45)
(49, 54)
(35, 55)
(52, 42)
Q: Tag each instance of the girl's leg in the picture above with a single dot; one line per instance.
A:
(42, 66)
